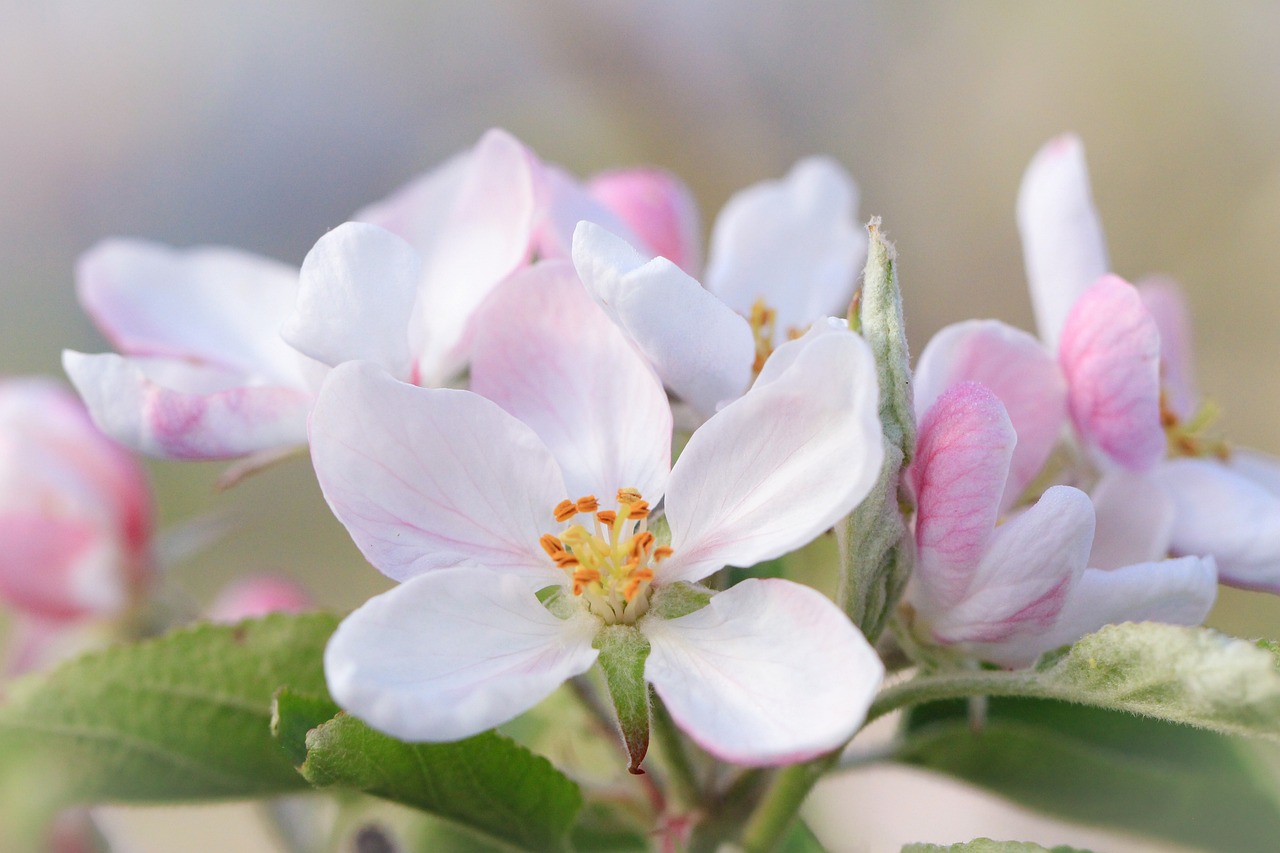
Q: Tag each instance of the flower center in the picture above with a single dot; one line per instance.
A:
(764, 321)
(610, 564)
(1187, 438)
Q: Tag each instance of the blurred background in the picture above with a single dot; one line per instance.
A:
(261, 125)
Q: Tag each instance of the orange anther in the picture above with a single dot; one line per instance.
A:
(564, 559)
(565, 510)
(662, 552)
(551, 545)
(582, 577)
(639, 509)
(641, 543)
(587, 504)
(606, 517)
(632, 586)
(628, 496)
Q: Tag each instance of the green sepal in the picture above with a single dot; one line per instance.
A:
(623, 651)
(877, 552)
(673, 600)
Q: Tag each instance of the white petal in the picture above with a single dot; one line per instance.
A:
(1259, 467)
(1135, 520)
(793, 243)
(1180, 592)
(547, 354)
(566, 202)
(1226, 515)
(472, 222)
(425, 478)
(700, 348)
(770, 672)
(171, 409)
(775, 468)
(358, 286)
(1062, 240)
(1021, 583)
(451, 654)
(210, 305)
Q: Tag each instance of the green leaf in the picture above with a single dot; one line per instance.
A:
(1108, 768)
(487, 783)
(876, 551)
(1195, 676)
(986, 845)
(184, 716)
(800, 839)
(294, 715)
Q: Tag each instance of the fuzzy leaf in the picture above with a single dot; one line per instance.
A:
(623, 652)
(986, 845)
(486, 783)
(181, 717)
(1107, 768)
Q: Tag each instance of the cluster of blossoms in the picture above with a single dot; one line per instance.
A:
(535, 520)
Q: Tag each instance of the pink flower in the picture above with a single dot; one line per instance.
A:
(784, 255)
(1008, 592)
(476, 503)
(257, 595)
(75, 518)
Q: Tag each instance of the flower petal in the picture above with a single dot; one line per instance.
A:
(565, 202)
(1022, 581)
(1168, 307)
(1016, 368)
(699, 347)
(211, 305)
(172, 409)
(472, 222)
(793, 243)
(775, 468)
(1110, 354)
(1228, 515)
(450, 654)
(1062, 240)
(958, 474)
(1135, 520)
(1179, 592)
(770, 672)
(425, 478)
(658, 208)
(358, 286)
(547, 354)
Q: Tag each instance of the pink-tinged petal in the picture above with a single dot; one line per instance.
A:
(778, 466)
(546, 353)
(793, 243)
(659, 210)
(1110, 354)
(1016, 368)
(258, 595)
(355, 300)
(451, 654)
(426, 478)
(699, 347)
(1168, 308)
(564, 202)
(961, 464)
(1135, 520)
(770, 672)
(1062, 241)
(60, 568)
(472, 222)
(37, 643)
(209, 305)
(175, 410)
(1227, 515)
(1179, 592)
(1021, 583)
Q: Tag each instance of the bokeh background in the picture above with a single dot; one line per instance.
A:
(263, 124)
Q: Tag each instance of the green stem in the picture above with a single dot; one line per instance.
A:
(684, 778)
(956, 685)
(778, 807)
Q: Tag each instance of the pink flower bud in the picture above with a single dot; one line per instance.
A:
(258, 595)
(75, 509)
(659, 208)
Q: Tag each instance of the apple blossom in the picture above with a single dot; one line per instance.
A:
(257, 595)
(783, 255)
(1007, 592)
(519, 525)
